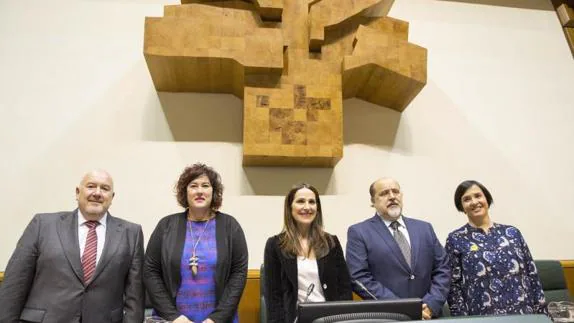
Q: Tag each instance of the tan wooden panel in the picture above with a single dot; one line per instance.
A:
(566, 15)
(568, 266)
(249, 304)
(569, 32)
(392, 78)
(268, 9)
(328, 13)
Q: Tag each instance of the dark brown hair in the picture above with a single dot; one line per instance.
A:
(192, 172)
(463, 187)
(289, 239)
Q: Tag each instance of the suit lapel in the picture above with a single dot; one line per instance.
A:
(68, 233)
(379, 226)
(114, 230)
(413, 238)
(290, 265)
(321, 265)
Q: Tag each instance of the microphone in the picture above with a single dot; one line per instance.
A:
(358, 283)
(309, 291)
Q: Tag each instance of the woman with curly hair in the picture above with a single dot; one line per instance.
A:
(195, 265)
(303, 263)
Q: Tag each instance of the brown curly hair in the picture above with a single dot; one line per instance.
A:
(192, 172)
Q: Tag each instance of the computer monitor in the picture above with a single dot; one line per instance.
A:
(411, 307)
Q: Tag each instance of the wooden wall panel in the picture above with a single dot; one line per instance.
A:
(568, 266)
(249, 304)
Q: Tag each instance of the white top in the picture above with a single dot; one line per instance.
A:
(308, 273)
(83, 234)
(402, 227)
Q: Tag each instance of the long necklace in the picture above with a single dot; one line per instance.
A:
(194, 260)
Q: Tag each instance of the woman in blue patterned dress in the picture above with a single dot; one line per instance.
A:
(492, 270)
(195, 265)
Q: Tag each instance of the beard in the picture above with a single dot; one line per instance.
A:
(394, 211)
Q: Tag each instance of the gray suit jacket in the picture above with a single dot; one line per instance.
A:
(43, 280)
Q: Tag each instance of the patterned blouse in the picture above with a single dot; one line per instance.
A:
(492, 273)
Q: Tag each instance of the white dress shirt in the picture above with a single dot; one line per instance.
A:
(83, 234)
(307, 274)
(402, 227)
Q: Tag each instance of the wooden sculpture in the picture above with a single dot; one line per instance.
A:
(292, 62)
(565, 11)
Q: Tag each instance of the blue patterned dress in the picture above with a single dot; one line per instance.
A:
(196, 295)
(492, 274)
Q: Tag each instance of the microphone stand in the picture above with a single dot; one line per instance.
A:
(358, 283)
(309, 291)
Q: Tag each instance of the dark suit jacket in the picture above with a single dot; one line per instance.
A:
(162, 269)
(281, 280)
(374, 259)
(44, 277)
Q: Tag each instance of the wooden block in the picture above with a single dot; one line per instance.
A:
(291, 131)
(326, 13)
(566, 15)
(558, 3)
(384, 70)
(569, 32)
(270, 9)
(186, 53)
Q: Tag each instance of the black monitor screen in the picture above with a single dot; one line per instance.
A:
(308, 312)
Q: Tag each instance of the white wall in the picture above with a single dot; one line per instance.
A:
(75, 94)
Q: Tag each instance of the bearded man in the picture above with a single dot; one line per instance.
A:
(390, 256)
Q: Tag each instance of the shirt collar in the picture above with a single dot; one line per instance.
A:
(400, 220)
(471, 228)
(81, 219)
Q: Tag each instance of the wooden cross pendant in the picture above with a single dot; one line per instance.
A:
(193, 263)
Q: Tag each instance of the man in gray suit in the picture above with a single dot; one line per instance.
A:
(80, 266)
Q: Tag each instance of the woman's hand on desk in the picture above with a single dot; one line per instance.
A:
(182, 319)
(427, 312)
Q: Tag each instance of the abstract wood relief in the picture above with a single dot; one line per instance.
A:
(565, 11)
(292, 63)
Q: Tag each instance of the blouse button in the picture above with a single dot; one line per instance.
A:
(412, 277)
(324, 286)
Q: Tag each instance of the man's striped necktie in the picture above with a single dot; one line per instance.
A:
(90, 251)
